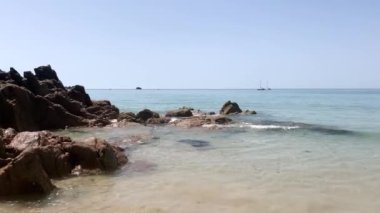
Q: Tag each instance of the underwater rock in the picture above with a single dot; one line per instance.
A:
(195, 143)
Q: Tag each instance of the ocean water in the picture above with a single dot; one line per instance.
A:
(305, 151)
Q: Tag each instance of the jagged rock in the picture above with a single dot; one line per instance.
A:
(230, 108)
(32, 84)
(23, 110)
(15, 76)
(104, 109)
(78, 93)
(46, 73)
(145, 114)
(183, 112)
(72, 106)
(41, 101)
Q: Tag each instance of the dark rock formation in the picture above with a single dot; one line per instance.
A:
(78, 93)
(103, 109)
(46, 73)
(23, 111)
(38, 156)
(230, 108)
(145, 114)
(40, 101)
(183, 112)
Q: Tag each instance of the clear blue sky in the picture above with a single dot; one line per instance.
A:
(196, 43)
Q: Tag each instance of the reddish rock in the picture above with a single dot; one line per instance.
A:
(39, 156)
(25, 175)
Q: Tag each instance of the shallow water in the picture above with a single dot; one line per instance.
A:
(306, 151)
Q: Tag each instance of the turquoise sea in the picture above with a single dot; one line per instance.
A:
(306, 150)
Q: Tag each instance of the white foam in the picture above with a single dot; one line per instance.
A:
(252, 126)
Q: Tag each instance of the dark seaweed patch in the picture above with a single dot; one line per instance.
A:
(195, 143)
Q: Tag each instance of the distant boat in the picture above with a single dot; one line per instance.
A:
(268, 87)
(138, 88)
(261, 88)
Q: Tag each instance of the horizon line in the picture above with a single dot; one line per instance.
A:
(324, 88)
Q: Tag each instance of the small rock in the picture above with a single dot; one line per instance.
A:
(230, 108)
(184, 112)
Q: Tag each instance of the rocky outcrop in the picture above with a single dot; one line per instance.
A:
(23, 110)
(182, 112)
(230, 108)
(40, 101)
(35, 157)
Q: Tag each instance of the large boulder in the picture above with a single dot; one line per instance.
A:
(183, 112)
(230, 108)
(94, 153)
(25, 175)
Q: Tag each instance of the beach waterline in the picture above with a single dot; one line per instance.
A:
(240, 172)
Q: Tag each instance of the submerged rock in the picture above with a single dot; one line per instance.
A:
(195, 143)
